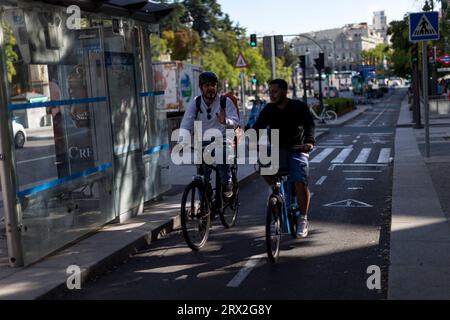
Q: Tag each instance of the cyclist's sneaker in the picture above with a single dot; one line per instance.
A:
(302, 227)
(228, 190)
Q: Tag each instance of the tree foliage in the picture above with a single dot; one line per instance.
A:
(215, 41)
(11, 55)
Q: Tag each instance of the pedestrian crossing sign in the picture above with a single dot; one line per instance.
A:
(423, 26)
(240, 62)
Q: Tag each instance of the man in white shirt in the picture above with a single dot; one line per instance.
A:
(213, 116)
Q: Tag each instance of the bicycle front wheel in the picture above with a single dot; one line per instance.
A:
(195, 216)
(273, 229)
(330, 116)
(230, 210)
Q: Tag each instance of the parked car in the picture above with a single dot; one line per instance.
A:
(20, 136)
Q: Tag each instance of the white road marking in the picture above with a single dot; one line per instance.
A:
(362, 171)
(384, 155)
(374, 120)
(359, 179)
(321, 156)
(335, 147)
(363, 155)
(244, 272)
(321, 181)
(331, 144)
(333, 166)
(357, 188)
(342, 156)
(349, 203)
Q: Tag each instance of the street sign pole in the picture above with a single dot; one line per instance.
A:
(274, 66)
(241, 63)
(425, 98)
(243, 94)
(423, 27)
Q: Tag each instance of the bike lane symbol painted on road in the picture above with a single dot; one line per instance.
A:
(349, 203)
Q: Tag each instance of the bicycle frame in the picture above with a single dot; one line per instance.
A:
(285, 190)
(218, 201)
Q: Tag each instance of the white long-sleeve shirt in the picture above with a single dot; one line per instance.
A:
(232, 118)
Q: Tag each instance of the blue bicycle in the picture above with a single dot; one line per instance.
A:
(283, 211)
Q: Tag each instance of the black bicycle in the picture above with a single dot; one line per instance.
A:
(201, 203)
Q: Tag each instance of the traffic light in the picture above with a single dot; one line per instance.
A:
(320, 62)
(302, 62)
(253, 42)
(254, 80)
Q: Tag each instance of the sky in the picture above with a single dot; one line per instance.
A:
(265, 17)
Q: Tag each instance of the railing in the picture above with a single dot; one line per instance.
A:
(439, 104)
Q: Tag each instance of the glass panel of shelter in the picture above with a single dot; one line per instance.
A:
(64, 170)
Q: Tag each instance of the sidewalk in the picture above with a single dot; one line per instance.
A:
(112, 244)
(420, 230)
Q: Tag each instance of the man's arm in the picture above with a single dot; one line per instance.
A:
(308, 124)
(263, 119)
(187, 122)
(232, 117)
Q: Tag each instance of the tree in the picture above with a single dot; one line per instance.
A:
(217, 62)
(207, 16)
(11, 55)
(186, 43)
(401, 47)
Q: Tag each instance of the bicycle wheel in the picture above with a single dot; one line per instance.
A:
(230, 210)
(273, 229)
(195, 216)
(293, 224)
(330, 116)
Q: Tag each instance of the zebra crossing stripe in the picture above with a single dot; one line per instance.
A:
(384, 155)
(342, 156)
(322, 155)
(363, 155)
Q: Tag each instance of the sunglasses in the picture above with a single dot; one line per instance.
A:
(209, 116)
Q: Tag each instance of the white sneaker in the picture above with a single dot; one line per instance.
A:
(302, 227)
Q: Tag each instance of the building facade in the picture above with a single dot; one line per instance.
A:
(342, 46)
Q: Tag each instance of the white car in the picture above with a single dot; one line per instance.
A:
(20, 136)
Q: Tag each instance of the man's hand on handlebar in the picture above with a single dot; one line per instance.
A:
(306, 148)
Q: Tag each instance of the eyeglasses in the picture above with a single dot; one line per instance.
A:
(209, 116)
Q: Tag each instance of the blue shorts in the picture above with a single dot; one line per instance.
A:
(296, 163)
(299, 167)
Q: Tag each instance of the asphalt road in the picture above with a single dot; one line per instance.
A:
(351, 178)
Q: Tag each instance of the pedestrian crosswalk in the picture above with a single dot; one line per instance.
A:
(338, 155)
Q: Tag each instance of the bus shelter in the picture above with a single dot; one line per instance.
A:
(96, 139)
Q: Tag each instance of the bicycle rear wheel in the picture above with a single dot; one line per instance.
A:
(195, 216)
(230, 210)
(273, 229)
(330, 116)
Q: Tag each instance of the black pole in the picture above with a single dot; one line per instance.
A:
(303, 67)
(320, 91)
(305, 95)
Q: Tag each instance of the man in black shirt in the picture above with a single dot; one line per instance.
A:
(296, 128)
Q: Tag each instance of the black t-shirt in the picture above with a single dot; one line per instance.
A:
(294, 121)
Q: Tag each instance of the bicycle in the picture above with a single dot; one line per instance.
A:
(200, 203)
(326, 115)
(282, 213)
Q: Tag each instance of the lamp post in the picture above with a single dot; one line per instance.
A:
(190, 23)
